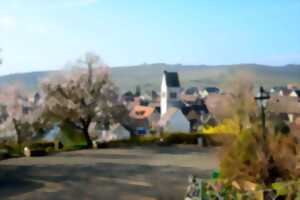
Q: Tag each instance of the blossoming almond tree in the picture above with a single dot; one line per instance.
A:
(19, 115)
(82, 96)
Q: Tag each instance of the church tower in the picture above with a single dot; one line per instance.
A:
(170, 91)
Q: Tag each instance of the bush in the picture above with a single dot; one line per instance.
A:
(170, 139)
(262, 161)
(40, 145)
(228, 126)
(4, 154)
(167, 139)
(218, 139)
(75, 147)
(13, 149)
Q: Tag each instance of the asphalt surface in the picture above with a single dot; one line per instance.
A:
(141, 173)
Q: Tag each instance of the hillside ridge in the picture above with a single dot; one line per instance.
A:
(149, 75)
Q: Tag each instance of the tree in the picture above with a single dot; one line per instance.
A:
(243, 105)
(82, 97)
(19, 116)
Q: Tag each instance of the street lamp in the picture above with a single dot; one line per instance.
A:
(262, 99)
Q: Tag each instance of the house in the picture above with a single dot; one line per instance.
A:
(278, 90)
(174, 121)
(170, 92)
(282, 91)
(285, 104)
(209, 90)
(295, 93)
(127, 97)
(115, 132)
(197, 115)
(143, 119)
(192, 91)
(189, 100)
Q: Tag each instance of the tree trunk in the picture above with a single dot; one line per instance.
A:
(18, 131)
(87, 137)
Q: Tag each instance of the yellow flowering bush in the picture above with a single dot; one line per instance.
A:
(228, 126)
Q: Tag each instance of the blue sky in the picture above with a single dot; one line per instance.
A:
(42, 35)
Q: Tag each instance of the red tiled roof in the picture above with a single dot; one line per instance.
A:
(141, 112)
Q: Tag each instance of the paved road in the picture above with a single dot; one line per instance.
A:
(145, 173)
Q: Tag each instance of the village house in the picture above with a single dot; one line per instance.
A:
(285, 105)
(143, 119)
(116, 132)
(281, 91)
(189, 100)
(209, 90)
(295, 93)
(194, 91)
(197, 114)
(174, 121)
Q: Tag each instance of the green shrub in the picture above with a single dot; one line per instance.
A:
(4, 154)
(13, 149)
(40, 145)
(75, 147)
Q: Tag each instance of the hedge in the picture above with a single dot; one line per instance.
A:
(170, 139)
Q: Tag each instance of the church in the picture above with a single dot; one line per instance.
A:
(171, 117)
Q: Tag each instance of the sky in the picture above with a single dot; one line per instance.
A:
(40, 35)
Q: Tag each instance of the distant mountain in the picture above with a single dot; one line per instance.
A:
(149, 75)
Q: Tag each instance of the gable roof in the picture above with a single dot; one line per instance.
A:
(128, 96)
(189, 98)
(284, 104)
(212, 89)
(116, 126)
(192, 115)
(297, 93)
(278, 88)
(172, 79)
(199, 109)
(192, 91)
(141, 112)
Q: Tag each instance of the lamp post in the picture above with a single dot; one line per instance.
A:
(262, 99)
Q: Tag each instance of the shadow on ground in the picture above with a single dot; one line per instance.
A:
(99, 181)
(131, 174)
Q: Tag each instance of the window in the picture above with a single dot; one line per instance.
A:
(173, 95)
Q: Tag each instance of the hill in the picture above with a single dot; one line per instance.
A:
(149, 75)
